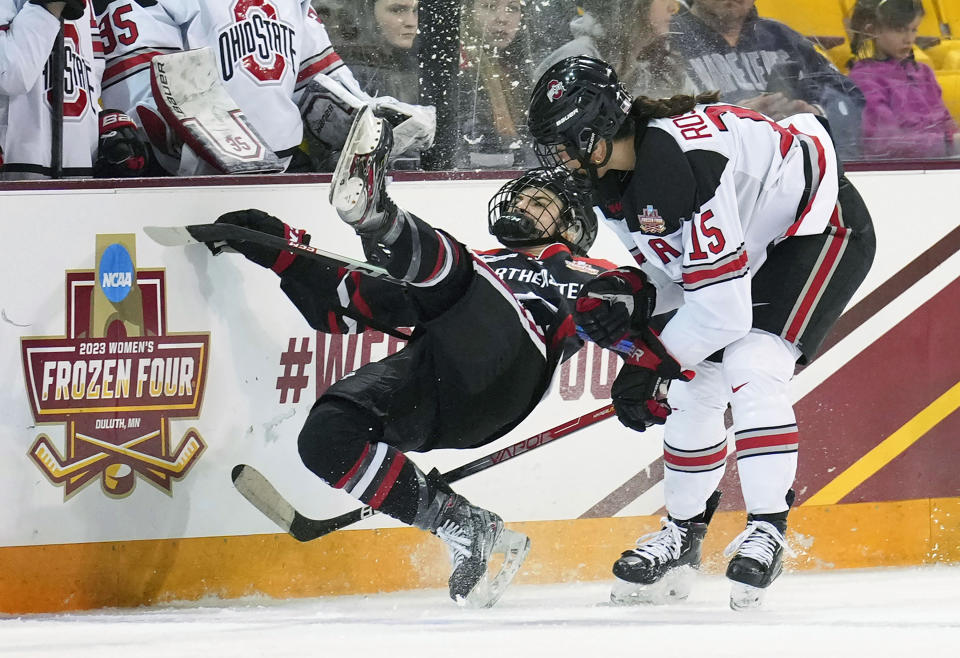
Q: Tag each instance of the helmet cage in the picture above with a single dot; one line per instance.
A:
(542, 207)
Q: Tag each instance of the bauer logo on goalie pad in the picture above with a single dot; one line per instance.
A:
(193, 101)
(115, 379)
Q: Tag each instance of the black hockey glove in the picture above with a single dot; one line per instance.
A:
(614, 304)
(72, 10)
(276, 259)
(121, 153)
(639, 391)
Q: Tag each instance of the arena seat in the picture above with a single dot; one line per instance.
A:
(950, 84)
(811, 18)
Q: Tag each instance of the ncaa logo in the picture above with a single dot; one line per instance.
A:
(555, 90)
(116, 273)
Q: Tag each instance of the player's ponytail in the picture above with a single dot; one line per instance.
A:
(644, 109)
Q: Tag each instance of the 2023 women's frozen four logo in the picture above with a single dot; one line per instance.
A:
(115, 379)
(258, 42)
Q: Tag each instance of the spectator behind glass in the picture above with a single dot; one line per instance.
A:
(379, 49)
(631, 35)
(905, 116)
(494, 85)
(765, 65)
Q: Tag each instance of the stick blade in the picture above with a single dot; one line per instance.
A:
(170, 236)
(253, 486)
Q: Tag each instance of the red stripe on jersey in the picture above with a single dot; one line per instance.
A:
(398, 461)
(704, 275)
(702, 460)
(768, 441)
(124, 65)
(357, 299)
(342, 482)
(441, 257)
(318, 67)
(821, 166)
(4, 28)
(820, 279)
(553, 250)
(332, 325)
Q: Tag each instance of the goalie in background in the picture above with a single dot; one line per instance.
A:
(284, 79)
(481, 355)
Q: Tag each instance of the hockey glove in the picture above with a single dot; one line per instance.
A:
(276, 259)
(639, 391)
(72, 10)
(614, 304)
(121, 153)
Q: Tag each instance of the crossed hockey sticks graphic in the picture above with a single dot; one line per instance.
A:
(47, 455)
(265, 497)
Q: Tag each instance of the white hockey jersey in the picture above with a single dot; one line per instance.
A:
(266, 52)
(712, 189)
(27, 35)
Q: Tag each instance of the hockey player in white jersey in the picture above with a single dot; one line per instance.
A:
(766, 242)
(28, 31)
(273, 56)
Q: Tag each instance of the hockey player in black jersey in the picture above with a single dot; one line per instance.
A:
(480, 357)
(765, 242)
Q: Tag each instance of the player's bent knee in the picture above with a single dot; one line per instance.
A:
(334, 437)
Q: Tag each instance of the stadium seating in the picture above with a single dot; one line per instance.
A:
(811, 18)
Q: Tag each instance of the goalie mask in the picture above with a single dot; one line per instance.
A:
(542, 207)
(576, 103)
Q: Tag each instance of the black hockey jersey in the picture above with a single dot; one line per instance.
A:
(546, 287)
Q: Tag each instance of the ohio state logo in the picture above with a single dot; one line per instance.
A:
(77, 76)
(555, 90)
(258, 42)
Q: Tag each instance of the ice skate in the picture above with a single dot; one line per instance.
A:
(663, 565)
(357, 190)
(757, 559)
(475, 537)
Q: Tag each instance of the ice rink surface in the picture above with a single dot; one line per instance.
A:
(902, 613)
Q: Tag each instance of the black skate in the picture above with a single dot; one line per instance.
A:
(357, 189)
(661, 568)
(757, 559)
(473, 536)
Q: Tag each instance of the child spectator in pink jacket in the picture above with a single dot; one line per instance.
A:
(905, 116)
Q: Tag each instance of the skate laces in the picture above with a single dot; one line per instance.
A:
(664, 544)
(458, 541)
(759, 541)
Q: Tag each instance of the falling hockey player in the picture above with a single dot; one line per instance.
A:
(768, 240)
(480, 358)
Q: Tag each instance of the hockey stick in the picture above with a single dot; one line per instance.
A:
(56, 72)
(258, 490)
(181, 236)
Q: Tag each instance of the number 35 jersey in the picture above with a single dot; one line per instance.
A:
(266, 52)
(712, 191)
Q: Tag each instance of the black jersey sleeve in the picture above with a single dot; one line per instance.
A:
(319, 293)
(663, 184)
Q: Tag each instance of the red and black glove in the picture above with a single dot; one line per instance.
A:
(72, 10)
(639, 391)
(276, 259)
(614, 304)
(120, 153)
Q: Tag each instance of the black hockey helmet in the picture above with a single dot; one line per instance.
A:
(577, 102)
(541, 207)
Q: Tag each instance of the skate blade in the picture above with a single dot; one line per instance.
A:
(745, 597)
(514, 547)
(363, 138)
(674, 587)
